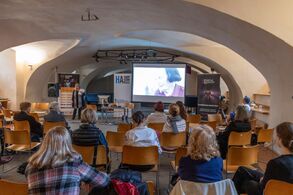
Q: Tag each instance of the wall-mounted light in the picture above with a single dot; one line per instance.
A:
(30, 66)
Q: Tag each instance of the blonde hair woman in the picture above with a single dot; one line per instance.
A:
(203, 162)
(174, 121)
(57, 169)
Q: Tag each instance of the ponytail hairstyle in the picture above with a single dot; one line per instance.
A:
(138, 117)
(285, 133)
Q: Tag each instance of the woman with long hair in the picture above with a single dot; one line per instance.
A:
(57, 169)
(203, 162)
(175, 123)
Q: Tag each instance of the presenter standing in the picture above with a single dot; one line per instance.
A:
(77, 101)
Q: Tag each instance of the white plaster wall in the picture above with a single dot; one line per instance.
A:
(8, 76)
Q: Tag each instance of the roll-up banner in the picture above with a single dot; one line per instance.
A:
(122, 87)
(209, 91)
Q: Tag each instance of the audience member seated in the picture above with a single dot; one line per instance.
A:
(35, 127)
(239, 124)
(281, 168)
(158, 116)
(175, 123)
(246, 103)
(183, 112)
(203, 162)
(88, 134)
(55, 115)
(57, 169)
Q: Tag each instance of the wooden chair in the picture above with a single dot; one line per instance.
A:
(239, 138)
(92, 106)
(21, 125)
(172, 140)
(13, 188)
(1, 124)
(151, 187)
(124, 127)
(40, 106)
(276, 187)
(253, 124)
(182, 151)
(212, 124)
(215, 117)
(36, 116)
(156, 126)
(240, 156)
(87, 153)
(194, 118)
(19, 141)
(265, 135)
(8, 117)
(115, 141)
(149, 155)
(50, 125)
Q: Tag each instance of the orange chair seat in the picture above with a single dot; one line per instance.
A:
(233, 168)
(22, 147)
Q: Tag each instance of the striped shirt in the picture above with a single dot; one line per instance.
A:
(64, 179)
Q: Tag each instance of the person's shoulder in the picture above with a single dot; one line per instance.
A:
(283, 159)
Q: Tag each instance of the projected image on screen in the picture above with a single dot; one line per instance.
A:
(161, 82)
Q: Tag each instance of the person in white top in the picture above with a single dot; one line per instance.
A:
(174, 121)
(141, 135)
(158, 116)
(246, 102)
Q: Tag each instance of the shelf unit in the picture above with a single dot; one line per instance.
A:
(65, 100)
(262, 109)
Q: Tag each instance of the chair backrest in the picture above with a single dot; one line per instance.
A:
(215, 117)
(7, 113)
(170, 139)
(87, 153)
(239, 138)
(123, 127)
(36, 116)
(13, 188)
(21, 125)
(182, 151)
(115, 138)
(17, 137)
(156, 126)
(224, 187)
(265, 135)
(242, 155)
(133, 155)
(50, 125)
(1, 124)
(40, 106)
(194, 118)
(276, 187)
(92, 106)
(212, 124)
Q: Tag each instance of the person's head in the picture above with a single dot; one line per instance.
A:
(183, 113)
(241, 113)
(138, 117)
(246, 100)
(159, 106)
(54, 106)
(56, 149)
(202, 144)
(174, 110)
(89, 116)
(77, 87)
(284, 136)
(173, 75)
(25, 106)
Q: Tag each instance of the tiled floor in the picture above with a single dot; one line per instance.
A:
(10, 169)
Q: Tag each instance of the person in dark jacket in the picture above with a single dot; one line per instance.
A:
(88, 134)
(36, 128)
(55, 115)
(239, 124)
(253, 182)
(78, 101)
(203, 162)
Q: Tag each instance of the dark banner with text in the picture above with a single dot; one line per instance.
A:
(208, 89)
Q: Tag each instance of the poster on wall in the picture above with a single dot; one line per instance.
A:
(122, 87)
(208, 89)
(67, 80)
